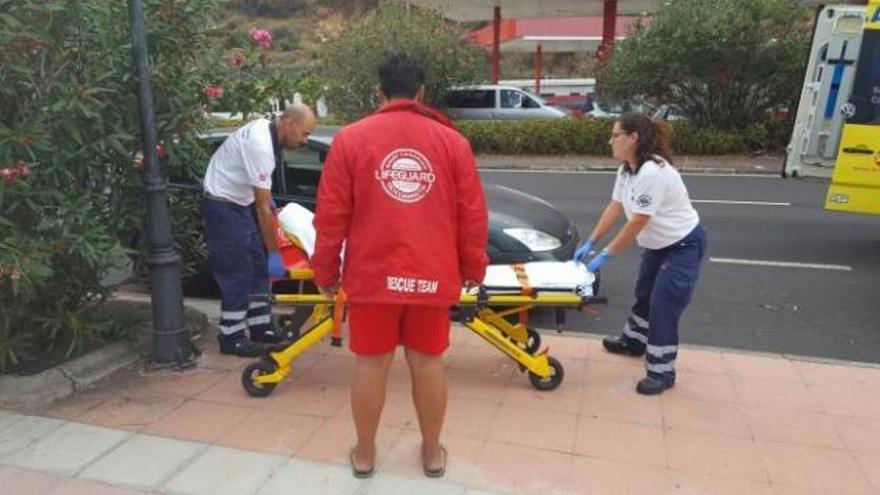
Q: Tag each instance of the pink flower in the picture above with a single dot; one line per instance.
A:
(139, 161)
(237, 59)
(261, 36)
(161, 151)
(15, 273)
(22, 169)
(9, 174)
(213, 91)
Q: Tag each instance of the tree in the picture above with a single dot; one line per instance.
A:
(350, 62)
(71, 195)
(725, 63)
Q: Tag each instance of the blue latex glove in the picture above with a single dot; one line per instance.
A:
(599, 261)
(275, 265)
(580, 254)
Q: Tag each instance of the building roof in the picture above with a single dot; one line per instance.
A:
(554, 34)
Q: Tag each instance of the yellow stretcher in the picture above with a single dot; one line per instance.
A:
(486, 310)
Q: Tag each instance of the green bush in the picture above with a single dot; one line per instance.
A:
(590, 137)
(71, 196)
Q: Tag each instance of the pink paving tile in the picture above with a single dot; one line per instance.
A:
(211, 359)
(700, 360)
(624, 442)
(131, 413)
(621, 405)
(272, 432)
(478, 358)
(534, 428)
(792, 490)
(177, 384)
(15, 481)
(601, 477)
(566, 347)
(404, 457)
(619, 375)
(470, 418)
(767, 367)
(399, 412)
(839, 374)
(814, 468)
(487, 386)
(73, 407)
(309, 398)
(848, 400)
(696, 484)
(334, 369)
(697, 385)
(871, 469)
(230, 391)
(577, 372)
(715, 455)
(81, 487)
(774, 395)
(514, 469)
(795, 428)
(705, 417)
(333, 441)
(567, 398)
(859, 434)
(199, 421)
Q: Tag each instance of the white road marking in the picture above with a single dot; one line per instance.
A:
(609, 172)
(784, 264)
(732, 202)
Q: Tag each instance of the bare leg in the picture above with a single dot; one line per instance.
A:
(429, 396)
(367, 400)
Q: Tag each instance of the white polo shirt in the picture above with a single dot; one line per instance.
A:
(657, 191)
(244, 161)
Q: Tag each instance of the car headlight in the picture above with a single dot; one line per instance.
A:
(535, 240)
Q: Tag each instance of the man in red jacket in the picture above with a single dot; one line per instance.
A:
(400, 189)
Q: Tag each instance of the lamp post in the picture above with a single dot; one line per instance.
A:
(171, 345)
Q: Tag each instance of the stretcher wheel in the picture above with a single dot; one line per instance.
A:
(254, 370)
(534, 341)
(290, 324)
(552, 381)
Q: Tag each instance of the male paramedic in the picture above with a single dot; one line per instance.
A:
(240, 226)
(400, 189)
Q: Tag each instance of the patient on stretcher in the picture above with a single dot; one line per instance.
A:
(537, 276)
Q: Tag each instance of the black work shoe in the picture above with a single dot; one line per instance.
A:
(239, 345)
(653, 386)
(618, 345)
(266, 337)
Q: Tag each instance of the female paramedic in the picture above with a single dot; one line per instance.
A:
(660, 217)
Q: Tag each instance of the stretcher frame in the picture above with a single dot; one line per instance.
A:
(484, 311)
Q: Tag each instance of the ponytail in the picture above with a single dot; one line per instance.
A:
(653, 139)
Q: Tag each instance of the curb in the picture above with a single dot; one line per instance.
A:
(67, 378)
(603, 168)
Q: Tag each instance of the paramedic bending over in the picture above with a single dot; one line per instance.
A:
(660, 217)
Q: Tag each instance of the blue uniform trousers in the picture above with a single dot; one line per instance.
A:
(238, 260)
(667, 278)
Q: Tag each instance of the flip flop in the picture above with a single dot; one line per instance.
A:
(357, 473)
(440, 471)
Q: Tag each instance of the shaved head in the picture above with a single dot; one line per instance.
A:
(299, 113)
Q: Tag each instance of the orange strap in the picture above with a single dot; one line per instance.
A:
(523, 279)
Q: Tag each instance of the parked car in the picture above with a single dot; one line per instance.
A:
(668, 112)
(576, 104)
(492, 102)
(522, 227)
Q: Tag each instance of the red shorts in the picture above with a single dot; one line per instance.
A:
(379, 328)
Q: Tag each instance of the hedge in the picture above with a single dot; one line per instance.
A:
(590, 137)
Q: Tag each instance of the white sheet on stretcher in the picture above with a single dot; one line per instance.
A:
(555, 276)
(297, 220)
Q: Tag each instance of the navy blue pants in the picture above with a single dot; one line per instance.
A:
(238, 260)
(667, 278)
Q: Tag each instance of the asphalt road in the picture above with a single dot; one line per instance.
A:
(821, 311)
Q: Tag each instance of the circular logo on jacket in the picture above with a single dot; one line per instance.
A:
(406, 175)
(644, 201)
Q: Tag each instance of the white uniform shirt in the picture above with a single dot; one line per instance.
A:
(244, 161)
(659, 192)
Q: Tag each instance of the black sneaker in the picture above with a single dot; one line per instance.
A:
(618, 345)
(238, 344)
(653, 386)
(265, 337)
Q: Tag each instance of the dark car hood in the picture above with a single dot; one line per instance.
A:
(510, 208)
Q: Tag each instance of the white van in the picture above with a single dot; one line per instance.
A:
(492, 102)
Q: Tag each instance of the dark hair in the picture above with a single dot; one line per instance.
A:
(653, 137)
(400, 76)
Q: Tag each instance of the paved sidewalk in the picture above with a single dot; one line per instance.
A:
(726, 164)
(735, 423)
